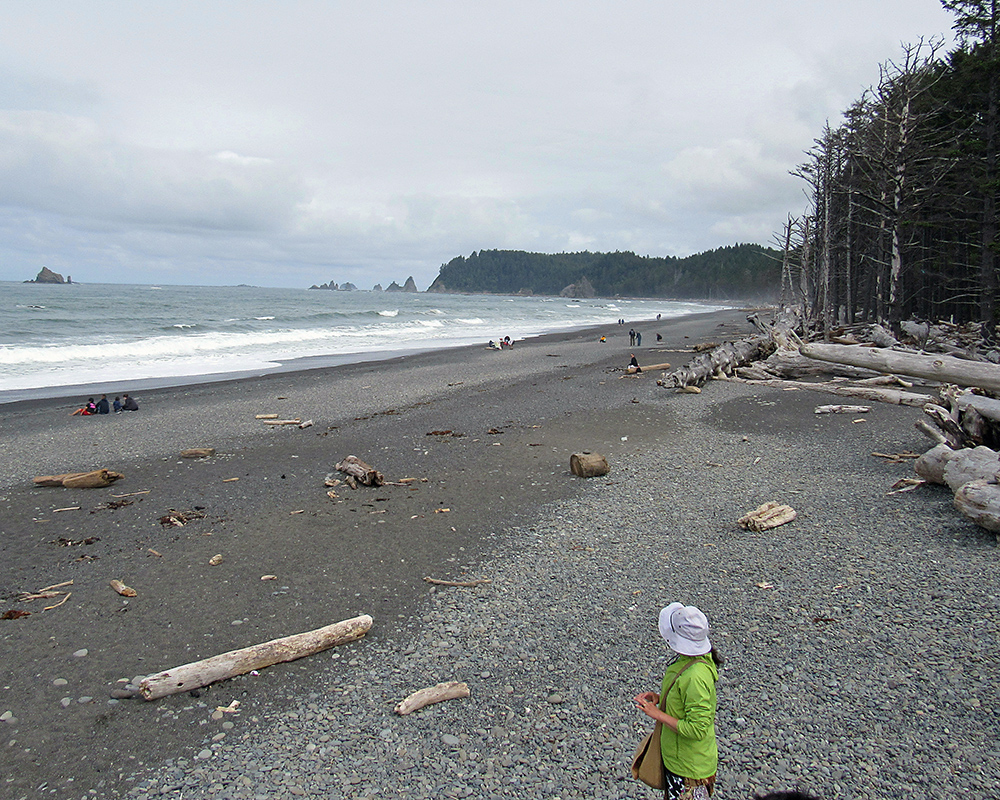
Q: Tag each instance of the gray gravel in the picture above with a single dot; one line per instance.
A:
(861, 638)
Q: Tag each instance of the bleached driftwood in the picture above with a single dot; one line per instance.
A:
(97, 479)
(931, 465)
(122, 589)
(588, 465)
(450, 690)
(979, 502)
(238, 662)
(767, 516)
(882, 337)
(198, 452)
(723, 360)
(932, 433)
(282, 421)
(947, 424)
(841, 409)
(970, 464)
(946, 369)
(354, 467)
(872, 393)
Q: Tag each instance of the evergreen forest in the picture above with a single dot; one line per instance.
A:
(743, 271)
(902, 221)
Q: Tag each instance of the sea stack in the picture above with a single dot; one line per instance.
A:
(48, 276)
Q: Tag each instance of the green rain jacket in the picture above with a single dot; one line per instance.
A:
(691, 752)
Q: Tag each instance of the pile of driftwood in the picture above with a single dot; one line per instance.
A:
(869, 363)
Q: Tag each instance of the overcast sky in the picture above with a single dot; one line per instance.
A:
(285, 142)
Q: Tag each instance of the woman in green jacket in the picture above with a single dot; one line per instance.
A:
(687, 744)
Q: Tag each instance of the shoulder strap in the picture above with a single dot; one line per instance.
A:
(663, 697)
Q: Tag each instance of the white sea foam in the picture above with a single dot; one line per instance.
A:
(229, 329)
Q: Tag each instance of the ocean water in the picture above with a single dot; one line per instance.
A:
(55, 338)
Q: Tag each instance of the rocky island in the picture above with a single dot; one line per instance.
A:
(48, 276)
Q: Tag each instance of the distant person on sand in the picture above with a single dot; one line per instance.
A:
(129, 404)
(604, 339)
(686, 705)
(117, 405)
(638, 339)
(631, 337)
(634, 363)
(103, 407)
(659, 337)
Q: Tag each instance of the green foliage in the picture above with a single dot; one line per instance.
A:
(742, 271)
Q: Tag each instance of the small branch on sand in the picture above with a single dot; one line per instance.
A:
(477, 582)
(49, 608)
(450, 690)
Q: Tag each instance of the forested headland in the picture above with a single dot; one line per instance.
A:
(903, 215)
(740, 272)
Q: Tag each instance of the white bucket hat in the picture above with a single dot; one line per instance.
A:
(686, 629)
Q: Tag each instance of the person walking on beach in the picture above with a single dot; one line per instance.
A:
(631, 337)
(638, 339)
(686, 705)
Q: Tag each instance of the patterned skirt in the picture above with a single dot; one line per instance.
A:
(677, 788)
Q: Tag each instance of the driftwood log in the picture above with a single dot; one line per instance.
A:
(873, 393)
(588, 465)
(723, 360)
(238, 662)
(450, 690)
(198, 452)
(360, 471)
(80, 480)
(979, 502)
(946, 369)
(970, 464)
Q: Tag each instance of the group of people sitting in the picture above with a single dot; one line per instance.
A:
(501, 344)
(102, 406)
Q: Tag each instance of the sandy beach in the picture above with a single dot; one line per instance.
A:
(487, 437)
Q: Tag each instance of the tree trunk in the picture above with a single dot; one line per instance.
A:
(238, 662)
(979, 502)
(945, 369)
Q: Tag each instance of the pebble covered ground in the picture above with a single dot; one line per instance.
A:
(861, 639)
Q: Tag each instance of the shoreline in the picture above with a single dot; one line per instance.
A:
(295, 365)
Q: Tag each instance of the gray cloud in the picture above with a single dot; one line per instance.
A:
(285, 144)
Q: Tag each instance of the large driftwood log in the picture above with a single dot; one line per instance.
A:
(238, 662)
(723, 360)
(433, 694)
(931, 465)
(979, 502)
(872, 393)
(360, 471)
(946, 369)
(979, 463)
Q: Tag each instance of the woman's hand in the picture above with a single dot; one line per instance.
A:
(647, 703)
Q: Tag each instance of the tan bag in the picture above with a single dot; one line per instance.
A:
(647, 763)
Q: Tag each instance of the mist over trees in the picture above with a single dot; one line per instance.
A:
(902, 220)
(743, 271)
